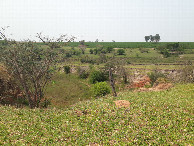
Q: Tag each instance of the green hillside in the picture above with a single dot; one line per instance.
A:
(153, 118)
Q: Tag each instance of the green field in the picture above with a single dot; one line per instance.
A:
(190, 45)
(154, 118)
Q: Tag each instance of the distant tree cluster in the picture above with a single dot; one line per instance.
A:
(171, 49)
(155, 38)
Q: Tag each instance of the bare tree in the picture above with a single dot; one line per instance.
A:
(111, 68)
(82, 46)
(31, 66)
(112, 81)
(55, 42)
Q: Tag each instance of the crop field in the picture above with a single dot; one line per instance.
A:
(153, 118)
(190, 45)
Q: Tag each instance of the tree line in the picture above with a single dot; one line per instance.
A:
(152, 38)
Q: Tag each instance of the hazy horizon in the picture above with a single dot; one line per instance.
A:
(119, 20)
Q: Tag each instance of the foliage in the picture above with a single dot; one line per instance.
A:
(82, 48)
(109, 49)
(121, 52)
(102, 58)
(31, 67)
(97, 76)
(147, 38)
(82, 73)
(9, 90)
(100, 89)
(87, 59)
(166, 53)
(67, 69)
(170, 49)
(187, 73)
(155, 75)
(68, 55)
(154, 118)
(188, 45)
(91, 51)
(157, 38)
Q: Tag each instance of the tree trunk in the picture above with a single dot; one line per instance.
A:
(112, 82)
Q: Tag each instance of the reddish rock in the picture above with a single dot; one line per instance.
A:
(122, 103)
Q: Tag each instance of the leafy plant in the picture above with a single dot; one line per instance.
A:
(100, 89)
(91, 51)
(97, 76)
(109, 49)
(67, 69)
(154, 76)
(121, 52)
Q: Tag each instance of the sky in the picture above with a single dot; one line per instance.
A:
(119, 20)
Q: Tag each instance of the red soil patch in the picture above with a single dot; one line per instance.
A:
(159, 87)
(141, 82)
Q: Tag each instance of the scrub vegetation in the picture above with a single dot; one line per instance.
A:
(61, 92)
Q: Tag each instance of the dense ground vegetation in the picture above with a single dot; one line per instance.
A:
(157, 118)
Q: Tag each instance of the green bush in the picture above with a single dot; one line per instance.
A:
(97, 76)
(91, 51)
(109, 49)
(67, 69)
(154, 76)
(100, 89)
(121, 52)
(68, 55)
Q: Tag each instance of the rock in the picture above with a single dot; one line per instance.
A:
(163, 86)
(122, 103)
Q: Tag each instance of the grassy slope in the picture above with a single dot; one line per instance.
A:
(67, 89)
(164, 117)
